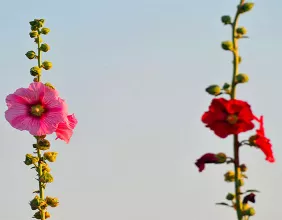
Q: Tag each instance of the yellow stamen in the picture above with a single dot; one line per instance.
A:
(37, 110)
(232, 119)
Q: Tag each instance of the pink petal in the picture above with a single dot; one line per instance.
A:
(65, 129)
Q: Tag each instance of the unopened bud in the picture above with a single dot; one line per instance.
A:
(49, 85)
(230, 196)
(46, 178)
(249, 212)
(243, 168)
(38, 40)
(229, 176)
(226, 86)
(245, 7)
(241, 30)
(35, 71)
(252, 140)
(33, 34)
(213, 90)
(53, 202)
(226, 19)
(43, 144)
(240, 182)
(242, 78)
(50, 156)
(30, 54)
(37, 215)
(44, 47)
(47, 65)
(34, 204)
(29, 159)
(221, 157)
(45, 31)
(227, 45)
(45, 167)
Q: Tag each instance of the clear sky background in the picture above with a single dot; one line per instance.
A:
(134, 73)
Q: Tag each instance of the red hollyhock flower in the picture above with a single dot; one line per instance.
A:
(227, 117)
(210, 158)
(249, 198)
(259, 140)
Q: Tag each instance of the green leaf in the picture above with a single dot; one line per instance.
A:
(252, 190)
(223, 203)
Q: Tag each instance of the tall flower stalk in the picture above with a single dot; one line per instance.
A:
(39, 110)
(232, 117)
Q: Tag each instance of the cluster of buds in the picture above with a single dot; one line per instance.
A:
(44, 176)
(244, 204)
(37, 29)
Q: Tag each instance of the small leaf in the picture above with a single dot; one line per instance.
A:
(244, 176)
(252, 190)
(223, 203)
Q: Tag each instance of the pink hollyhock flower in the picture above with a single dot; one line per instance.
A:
(65, 129)
(37, 109)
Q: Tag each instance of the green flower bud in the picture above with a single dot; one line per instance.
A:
(226, 19)
(249, 212)
(245, 7)
(230, 196)
(47, 65)
(226, 86)
(43, 144)
(243, 167)
(33, 34)
(241, 30)
(37, 23)
(45, 167)
(34, 204)
(213, 90)
(240, 182)
(45, 31)
(30, 54)
(229, 176)
(252, 140)
(221, 157)
(37, 215)
(53, 202)
(239, 60)
(38, 40)
(49, 85)
(227, 45)
(242, 78)
(44, 47)
(46, 178)
(50, 156)
(29, 159)
(34, 71)
(34, 28)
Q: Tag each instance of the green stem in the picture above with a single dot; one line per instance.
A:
(41, 187)
(233, 96)
(39, 56)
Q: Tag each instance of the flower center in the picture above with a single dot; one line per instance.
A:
(37, 110)
(232, 119)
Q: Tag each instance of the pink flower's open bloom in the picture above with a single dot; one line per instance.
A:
(65, 129)
(37, 109)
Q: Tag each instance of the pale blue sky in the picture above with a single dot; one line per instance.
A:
(134, 73)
